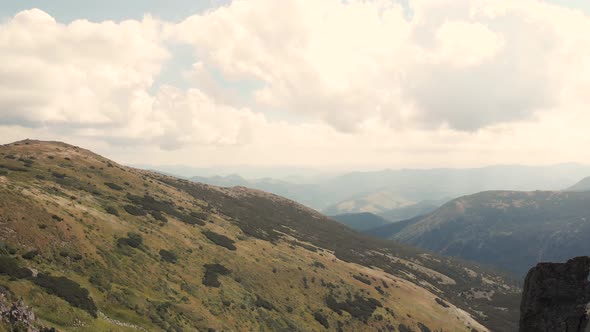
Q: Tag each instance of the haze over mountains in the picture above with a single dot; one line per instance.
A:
(381, 191)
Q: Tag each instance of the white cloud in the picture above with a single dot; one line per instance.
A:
(458, 82)
(462, 64)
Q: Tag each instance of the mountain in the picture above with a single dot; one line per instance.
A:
(361, 221)
(392, 229)
(507, 229)
(91, 245)
(380, 191)
(411, 211)
(583, 185)
(374, 202)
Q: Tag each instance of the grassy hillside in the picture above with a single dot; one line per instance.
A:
(507, 229)
(91, 245)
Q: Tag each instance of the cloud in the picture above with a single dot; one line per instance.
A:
(92, 79)
(461, 64)
(449, 82)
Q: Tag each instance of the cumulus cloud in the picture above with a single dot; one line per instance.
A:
(462, 64)
(452, 80)
(92, 79)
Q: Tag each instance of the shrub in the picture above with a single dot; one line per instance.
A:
(113, 186)
(156, 207)
(212, 272)
(362, 279)
(134, 210)
(262, 303)
(220, 240)
(358, 307)
(101, 281)
(58, 175)
(40, 177)
(320, 318)
(10, 267)
(318, 264)
(168, 256)
(68, 290)
(441, 303)
(2, 173)
(31, 254)
(404, 328)
(112, 210)
(200, 215)
(158, 216)
(423, 328)
(57, 218)
(133, 240)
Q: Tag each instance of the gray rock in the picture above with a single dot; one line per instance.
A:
(556, 297)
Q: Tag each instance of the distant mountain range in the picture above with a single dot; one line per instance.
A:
(507, 229)
(381, 191)
(361, 221)
(583, 185)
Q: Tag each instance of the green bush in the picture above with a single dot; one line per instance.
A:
(423, 328)
(158, 216)
(220, 240)
(441, 303)
(362, 279)
(200, 215)
(30, 254)
(262, 303)
(404, 328)
(318, 264)
(133, 240)
(113, 186)
(58, 175)
(212, 272)
(358, 307)
(134, 210)
(320, 318)
(168, 256)
(68, 290)
(112, 210)
(10, 267)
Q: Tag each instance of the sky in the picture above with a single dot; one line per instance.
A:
(321, 84)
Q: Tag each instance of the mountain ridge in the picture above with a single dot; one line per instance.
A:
(161, 253)
(509, 229)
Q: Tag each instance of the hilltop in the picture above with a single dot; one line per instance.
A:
(91, 245)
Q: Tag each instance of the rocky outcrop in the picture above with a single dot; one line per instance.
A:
(556, 297)
(16, 316)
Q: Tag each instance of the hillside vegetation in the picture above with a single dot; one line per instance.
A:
(507, 229)
(91, 245)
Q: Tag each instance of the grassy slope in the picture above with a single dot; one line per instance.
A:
(275, 261)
